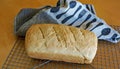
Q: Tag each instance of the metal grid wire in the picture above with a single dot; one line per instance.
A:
(107, 57)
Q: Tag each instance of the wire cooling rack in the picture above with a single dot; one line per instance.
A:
(107, 57)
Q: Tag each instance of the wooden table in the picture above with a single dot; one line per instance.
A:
(106, 9)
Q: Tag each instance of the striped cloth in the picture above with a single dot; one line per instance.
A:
(68, 12)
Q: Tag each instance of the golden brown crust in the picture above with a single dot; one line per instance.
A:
(61, 43)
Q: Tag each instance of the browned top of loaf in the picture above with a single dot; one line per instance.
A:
(61, 37)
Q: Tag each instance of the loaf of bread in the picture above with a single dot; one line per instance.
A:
(60, 43)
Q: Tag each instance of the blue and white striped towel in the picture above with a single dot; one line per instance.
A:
(68, 12)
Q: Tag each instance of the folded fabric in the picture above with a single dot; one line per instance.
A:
(68, 12)
(26, 17)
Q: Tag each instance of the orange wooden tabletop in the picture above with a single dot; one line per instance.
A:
(106, 9)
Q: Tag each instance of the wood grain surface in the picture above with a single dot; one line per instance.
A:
(106, 9)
